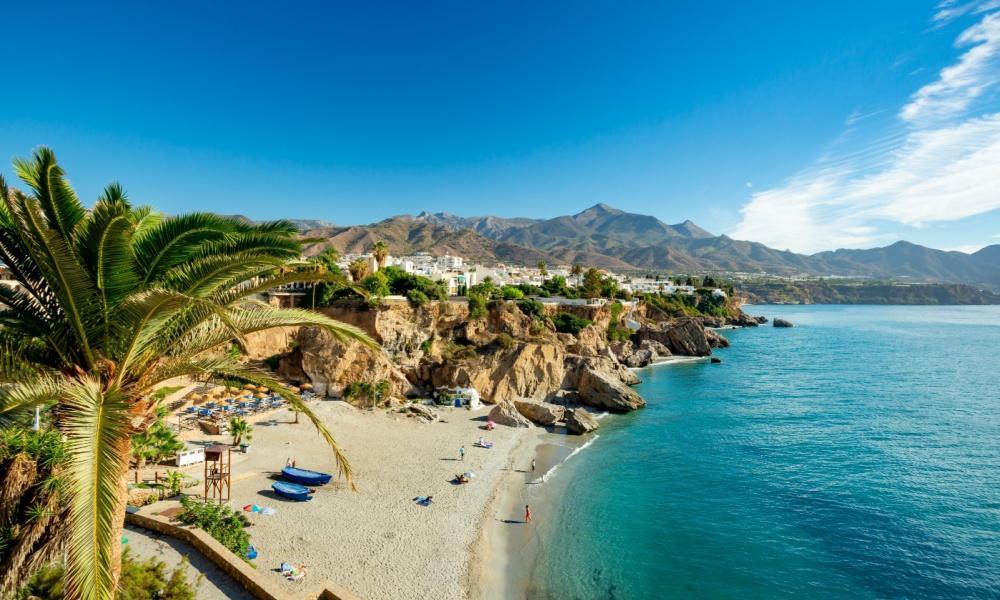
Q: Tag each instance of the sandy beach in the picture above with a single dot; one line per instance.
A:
(377, 541)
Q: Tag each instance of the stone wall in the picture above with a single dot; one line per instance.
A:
(251, 579)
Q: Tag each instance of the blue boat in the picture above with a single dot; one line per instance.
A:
(291, 491)
(305, 476)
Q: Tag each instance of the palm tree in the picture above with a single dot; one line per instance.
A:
(33, 514)
(380, 252)
(240, 430)
(358, 268)
(577, 271)
(541, 268)
(113, 301)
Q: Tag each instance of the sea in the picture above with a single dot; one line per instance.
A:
(855, 455)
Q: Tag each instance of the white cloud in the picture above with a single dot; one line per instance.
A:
(950, 10)
(940, 167)
(960, 84)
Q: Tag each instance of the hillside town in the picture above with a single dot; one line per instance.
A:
(458, 275)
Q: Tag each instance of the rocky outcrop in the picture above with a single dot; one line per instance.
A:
(715, 340)
(602, 385)
(263, 344)
(579, 421)
(505, 413)
(331, 364)
(686, 337)
(638, 355)
(542, 413)
(744, 320)
(423, 411)
(782, 323)
(526, 370)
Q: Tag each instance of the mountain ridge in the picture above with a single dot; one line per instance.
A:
(607, 237)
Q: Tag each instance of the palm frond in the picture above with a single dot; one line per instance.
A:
(96, 424)
(104, 243)
(69, 281)
(139, 323)
(258, 377)
(59, 202)
(213, 333)
(276, 278)
(206, 276)
(19, 400)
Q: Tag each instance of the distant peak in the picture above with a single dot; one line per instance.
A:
(600, 208)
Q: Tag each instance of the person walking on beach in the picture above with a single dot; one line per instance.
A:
(461, 453)
(532, 465)
(527, 514)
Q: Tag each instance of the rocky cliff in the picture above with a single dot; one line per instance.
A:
(507, 356)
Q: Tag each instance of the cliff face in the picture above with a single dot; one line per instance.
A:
(507, 355)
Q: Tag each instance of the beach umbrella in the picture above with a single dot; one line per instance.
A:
(306, 386)
(295, 389)
(260, 395)
(234, 390)
(263, 389)
(469, 474)
(249, 386)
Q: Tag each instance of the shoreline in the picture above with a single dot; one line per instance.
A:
(509, 549)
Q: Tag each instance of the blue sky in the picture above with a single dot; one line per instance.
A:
(845, 124)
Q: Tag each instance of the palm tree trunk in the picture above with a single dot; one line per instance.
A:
(119, 523)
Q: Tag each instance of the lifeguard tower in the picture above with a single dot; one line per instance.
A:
(218, 472)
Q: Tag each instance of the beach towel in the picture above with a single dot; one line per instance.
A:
(267, 510)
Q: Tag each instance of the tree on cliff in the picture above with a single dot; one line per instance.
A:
(358, 268)
(113, 301)
(381, 253)
(592, 283)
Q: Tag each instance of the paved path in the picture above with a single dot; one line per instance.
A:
(215, 586)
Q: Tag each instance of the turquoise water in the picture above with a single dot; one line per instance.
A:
(856, 455)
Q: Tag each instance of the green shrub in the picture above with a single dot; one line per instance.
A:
(505, 341)
(140, 580)
(569, 323)
(477, 307)
(219, 521)
(453, 351)
(417, 298)
(531, 307)
(617, 333)
(512, 293)
(377, 284)
(537, 326)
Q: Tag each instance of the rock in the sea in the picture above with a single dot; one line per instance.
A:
(716, 360)
(505, 413)
(715, 340)
(580, 421)
(631, 356)
(542, 413)
(422, 410)
(602, 389)
(686, 337)
(658, 349)
(782, 323)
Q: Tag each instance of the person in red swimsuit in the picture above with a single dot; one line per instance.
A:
(527, 514)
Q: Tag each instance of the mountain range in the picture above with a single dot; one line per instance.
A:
(609, 238)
